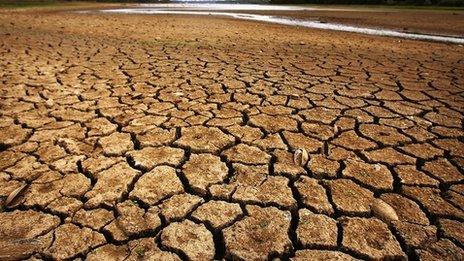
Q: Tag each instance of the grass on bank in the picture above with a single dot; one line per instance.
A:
(26, 4)
(46, 4)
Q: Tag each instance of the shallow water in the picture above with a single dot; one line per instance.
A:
(218, 10)
(221, 7)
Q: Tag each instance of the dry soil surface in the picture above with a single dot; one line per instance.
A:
(172, 137)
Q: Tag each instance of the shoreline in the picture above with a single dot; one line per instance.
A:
(420, 21)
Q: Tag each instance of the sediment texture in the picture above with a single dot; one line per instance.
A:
(170, 137)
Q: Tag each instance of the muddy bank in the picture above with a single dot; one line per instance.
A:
(422, 21)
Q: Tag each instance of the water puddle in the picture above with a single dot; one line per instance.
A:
(220, 10)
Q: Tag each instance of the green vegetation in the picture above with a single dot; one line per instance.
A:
(23, 4)
(140, 252)
(17, 4)
(408, 3)
(426, 4)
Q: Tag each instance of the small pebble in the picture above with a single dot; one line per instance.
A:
(300, 157)
(49, 103)
(383, 211)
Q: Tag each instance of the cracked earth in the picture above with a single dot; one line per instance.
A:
(172, 138)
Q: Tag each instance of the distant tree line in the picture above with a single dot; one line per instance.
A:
(375, 2)
(358, 2)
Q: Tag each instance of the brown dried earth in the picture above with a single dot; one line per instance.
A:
(172, 138)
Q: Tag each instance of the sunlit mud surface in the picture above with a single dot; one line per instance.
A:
(215, 9)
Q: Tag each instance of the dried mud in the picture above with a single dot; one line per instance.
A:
(172, 138)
